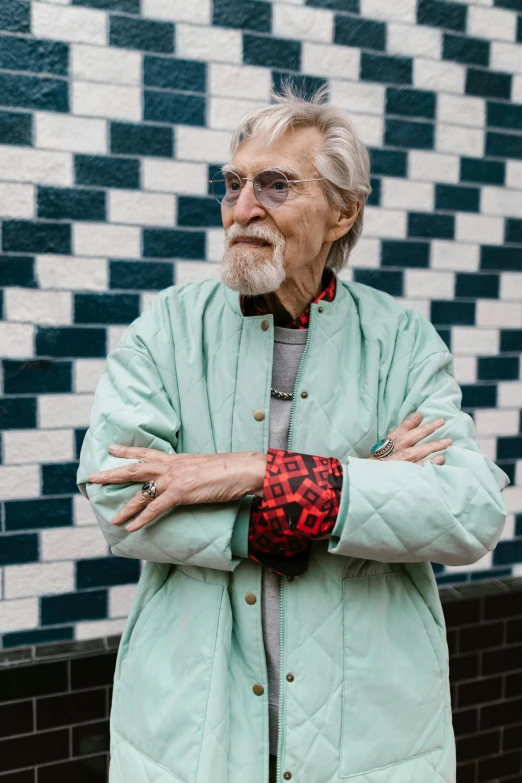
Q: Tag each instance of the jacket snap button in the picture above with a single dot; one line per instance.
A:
(320, 309)
(258, 689)
(290, 578)
(304, 394)
(264, 325)
(250, 598)
(287, 775)
(290, 677)
(259, 415)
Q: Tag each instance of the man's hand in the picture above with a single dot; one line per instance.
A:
(408, 434)
(182, 479)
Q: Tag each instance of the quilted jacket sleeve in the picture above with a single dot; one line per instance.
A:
(397, 511)
(131, 407)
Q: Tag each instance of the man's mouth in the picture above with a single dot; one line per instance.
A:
(251, 241)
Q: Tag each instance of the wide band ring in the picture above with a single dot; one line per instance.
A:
(150, 490)
(383, 448)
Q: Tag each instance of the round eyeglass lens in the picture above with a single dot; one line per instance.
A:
(271, 188)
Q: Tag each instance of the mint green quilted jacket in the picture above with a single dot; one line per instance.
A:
(362, 630)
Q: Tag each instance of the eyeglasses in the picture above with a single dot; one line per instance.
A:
(271, 187)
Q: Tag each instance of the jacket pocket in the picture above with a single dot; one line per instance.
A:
(393, 702)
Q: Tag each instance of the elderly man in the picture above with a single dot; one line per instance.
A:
(286, 452)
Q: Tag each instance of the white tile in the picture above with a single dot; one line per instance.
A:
(400, 10)
(495, 422)
(72, 543)
(120, 600)
(514, 173)
(387, 223)
(19, 615)
(69, 24)
(433, 167)
(401, 193)
(215, 244)
(508, 531)
(470, 341)
(178, 10)
(369, 128)
(422, 305)
(414, 41)
(358, 96)
(226, 113)
(87, 373)
(366, 254)
(511, 286)
(457, 256)
(77, 134)
(82, 511)
(38, 579)
(516, 90)
(506, 57)
(105, 64)
(174, 176)
(330, 60)
(512, 496)
(22, 164)
(114, 101)
(465, 369)
(30, 305)
(64, 410)
(509, 394)
(478, 228)
(439, 76)
(492, 23)
(19, 481)
(17, 340)
(146, 299)
(488, 447)
(460, 140)
(491, 312)
(30, 446)
(98, 629)
(425, 283)
(518, 473)
(239, 81)
(346, 273)
(201, 144)
(114, 335)
(111, 241)
(217, 43)
(501, 201)
(72, 273)
(304, 24)
(145, 209)
(190, 271)
(461, 109)
(16, 200)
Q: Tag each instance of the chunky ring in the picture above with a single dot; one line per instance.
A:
(149, 489)
(383, 448)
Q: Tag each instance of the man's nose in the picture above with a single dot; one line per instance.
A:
(247, 206)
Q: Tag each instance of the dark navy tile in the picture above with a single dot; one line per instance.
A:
(510, 448)
(269, 52)
(140, 275)
(498, 368)
(504, 145)
(477, 396)
(514, 5)
(459, 199)
(60, 479)
(92, 769)
(486, 84)
(503, 259)
(71, 341)
(22, 682)
(451, 578)
(446, 313)
(445, 335)
(16, 718)
(390, 282)
(34, 92)
(106, 571)
(469, 51)
(374, 199)
(412, 135)
(1, 305)
(504, 115)
(39, 513)
(17, 413)
(128, 6)
(73, 607)
(421, 224)
(508, 551)
(151, 36)
(67, 708)
(395, 252)
(24, 236)
(108, 172)
(16, 128)
(198, 211)
(510, 468)
(411, 103)
(513, 231)
(171, 74)
(172, 243)
(71, 204)
(306, 85)
(174, 108)
(17, 549)
(37, 376)
(391, 163)
(25, 54)
(79, 437)
(387, 69)
(361, 33)
(130, 139)
(243, 15)
(519, 29)
(106, 308)
(91, 671)
(486, 172)
(511, 341)
(477, 286)
(451, 16)
(352, 6)
(15, 16)
(91, 738)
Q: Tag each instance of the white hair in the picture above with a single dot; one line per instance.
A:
(344, 160)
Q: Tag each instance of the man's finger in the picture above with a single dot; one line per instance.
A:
(136, 471)
(152, 511)
(134, 505)
(138, 452)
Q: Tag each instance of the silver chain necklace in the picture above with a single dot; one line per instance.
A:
(282, 395)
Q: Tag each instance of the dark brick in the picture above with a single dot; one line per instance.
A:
(90, 738)
(106, 571)
(55, 711)
(478, 745)
(383, 280)
(360, 33)
(243, 15)
(16, 128)
(33, 749)
(92, 671)
(146, 34)
(499, 767)
(26, 54)
(387, 69)
(34, 92)
(38, 513)
(88, 770)
(106, 308)
(465, 721)
(71, 204)
(436, 13)
(15, 16)
(503, 660)
(71, 341)
(72, 607)
(108, 172)
(270, 52)
(16, 718)
(17, 413)
(480, 637)
(60, 479)
(171, 74)
(24, 682)
(464, 667)
(479, 691)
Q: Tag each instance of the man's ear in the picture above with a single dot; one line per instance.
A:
(347, 217)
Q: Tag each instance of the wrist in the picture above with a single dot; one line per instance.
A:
(257, 471)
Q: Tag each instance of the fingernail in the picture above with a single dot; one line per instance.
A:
(447, 440)
(93, 476)
(114, 447)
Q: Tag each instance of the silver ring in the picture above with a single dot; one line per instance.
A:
(383, 448)
(149, 489)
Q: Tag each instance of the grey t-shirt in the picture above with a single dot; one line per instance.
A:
(289, 345)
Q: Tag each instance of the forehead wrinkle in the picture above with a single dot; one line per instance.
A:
(288, 170)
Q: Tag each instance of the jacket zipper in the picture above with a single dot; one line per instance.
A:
(281, 579)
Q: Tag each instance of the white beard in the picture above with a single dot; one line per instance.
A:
(254, 271)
